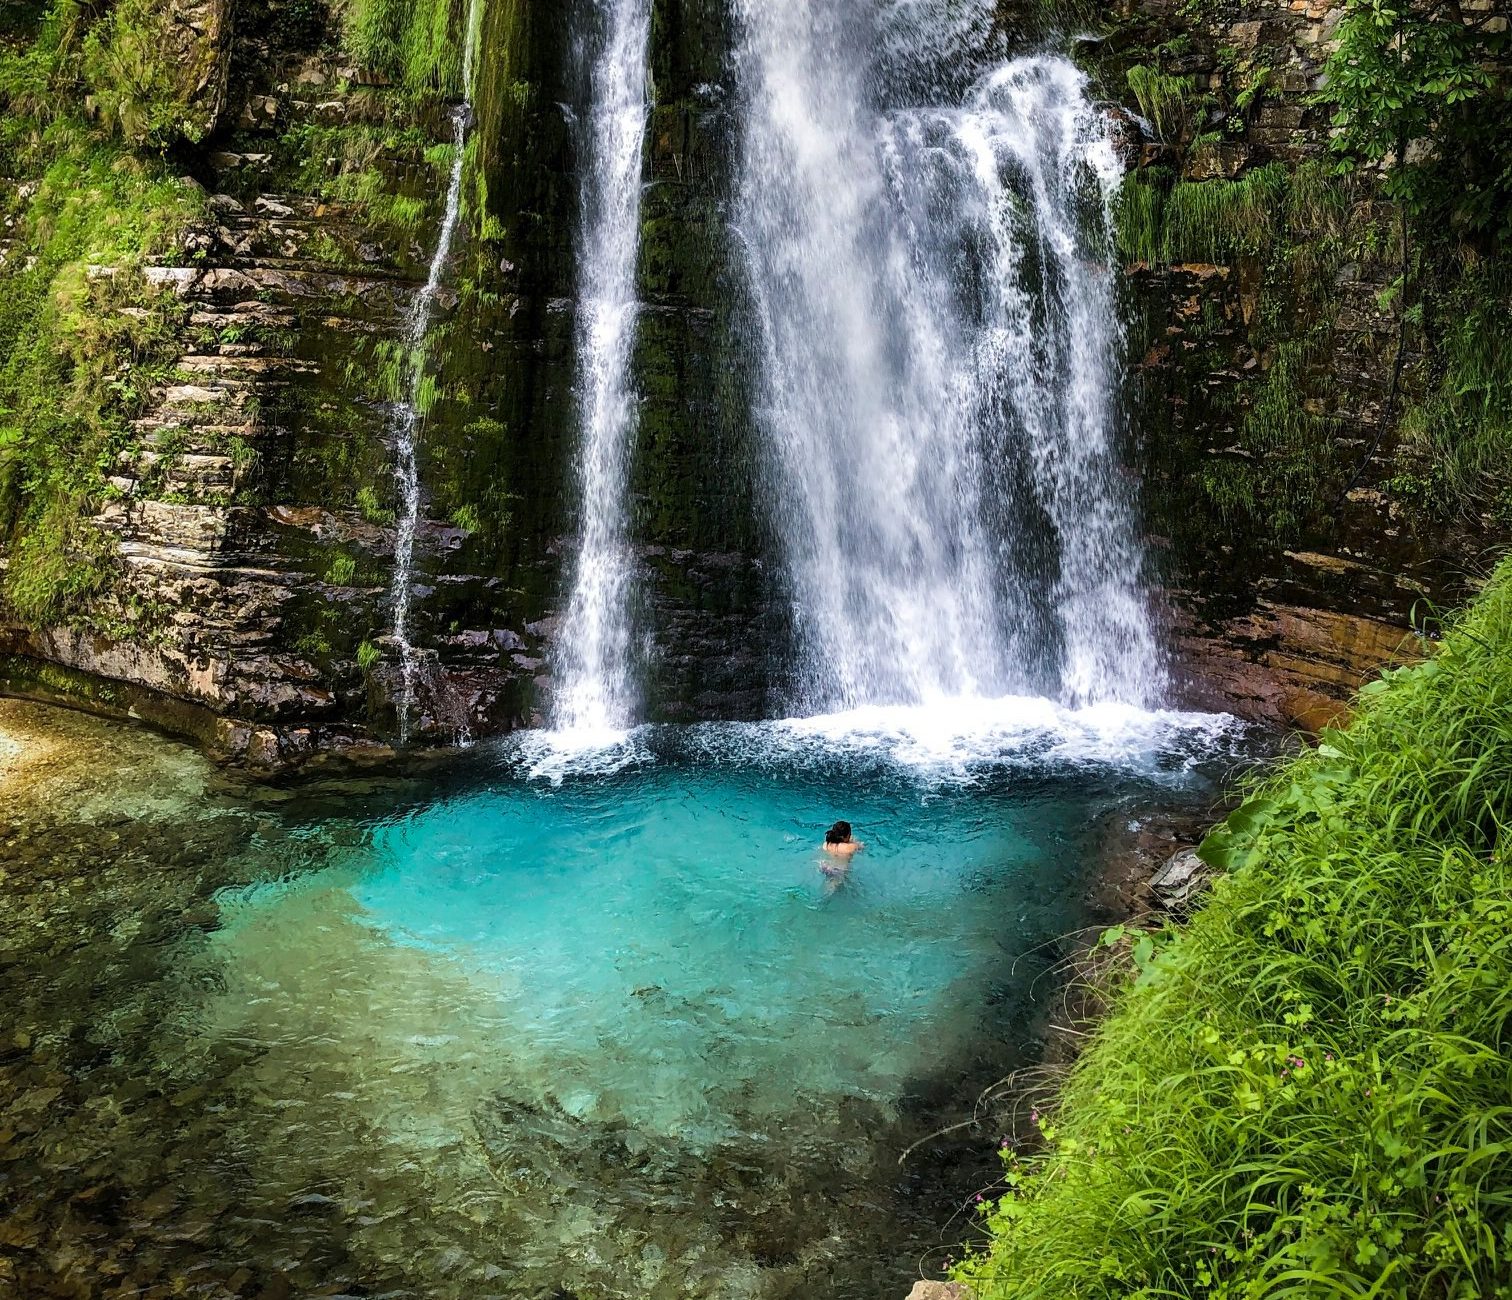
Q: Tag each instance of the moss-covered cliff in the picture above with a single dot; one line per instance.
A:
(216, 215)
(1320, 339)
(213, 269)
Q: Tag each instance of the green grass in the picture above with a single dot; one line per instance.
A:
(1211, 221)
(1162, 98)
(417, 43)
(1308, 1091)
(1462, 430)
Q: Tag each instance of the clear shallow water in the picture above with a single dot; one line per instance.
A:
(607, 1031)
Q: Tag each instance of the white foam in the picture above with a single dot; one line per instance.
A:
(950, 738)
(577, 751)
(963, 733)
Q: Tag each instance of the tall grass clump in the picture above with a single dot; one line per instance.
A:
(1308, 1091)
(1214, 220)
(417, 43)
(1139, 216)
(1161, 96)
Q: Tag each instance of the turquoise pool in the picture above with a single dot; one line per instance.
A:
(578, 1017)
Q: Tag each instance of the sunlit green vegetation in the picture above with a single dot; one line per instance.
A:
(82, 339)
(415, 42)
(1161, 96)
(1307, 1091)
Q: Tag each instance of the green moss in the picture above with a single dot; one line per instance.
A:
(417, 43)
(1282, 232)
(138, 78)
(1305, 1092)
(1462, 430)
(82, 338)
(1289, 467)
(78, 367)
(341, 570)
(372, 507)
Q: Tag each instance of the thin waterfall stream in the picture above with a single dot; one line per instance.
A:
(410, 417)
(937, 346)
(594, 694)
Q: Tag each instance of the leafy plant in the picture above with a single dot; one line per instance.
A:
(1411, 83)
(1306, 1092)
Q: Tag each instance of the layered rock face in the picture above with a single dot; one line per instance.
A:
(1265, 292)
(249, 512)
(251, 517)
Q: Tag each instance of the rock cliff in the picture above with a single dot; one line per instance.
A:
(218, 560)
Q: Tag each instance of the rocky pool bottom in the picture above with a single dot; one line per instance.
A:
(544, 1022)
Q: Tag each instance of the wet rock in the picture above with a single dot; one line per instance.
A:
(941, 1291)
(1180, 880)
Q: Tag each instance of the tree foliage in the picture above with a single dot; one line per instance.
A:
(1416, 85)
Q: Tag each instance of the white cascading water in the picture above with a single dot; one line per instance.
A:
(938, 357)
(409, 416)
(594, 694)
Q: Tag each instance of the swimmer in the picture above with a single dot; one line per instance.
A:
(838, 841)
(839, 847)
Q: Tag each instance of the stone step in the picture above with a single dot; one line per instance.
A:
(153, 427)
(187, 472)
(242, 313)
(233, 368)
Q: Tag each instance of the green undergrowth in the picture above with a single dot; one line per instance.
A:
(1279, 236)
(1307, 1091)
(1457, 445)
(82, 339)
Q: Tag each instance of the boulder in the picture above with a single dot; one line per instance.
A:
(1180, 880)
(941, 1291)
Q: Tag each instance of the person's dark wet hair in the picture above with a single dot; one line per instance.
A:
(839, 833)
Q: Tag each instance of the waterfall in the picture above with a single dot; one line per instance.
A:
(594, 691)
(937, 347)
(409, 415)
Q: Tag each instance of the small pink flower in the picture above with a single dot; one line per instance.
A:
(979, 1198)
(1034, 1117)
